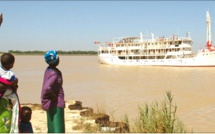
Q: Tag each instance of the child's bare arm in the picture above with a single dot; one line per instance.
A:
(15, 82)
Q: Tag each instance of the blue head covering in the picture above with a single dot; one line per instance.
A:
(51, 57)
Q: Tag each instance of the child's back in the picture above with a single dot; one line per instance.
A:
(7, 62)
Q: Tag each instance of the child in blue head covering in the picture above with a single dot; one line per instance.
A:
(52, 95)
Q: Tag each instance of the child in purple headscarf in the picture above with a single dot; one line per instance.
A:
(52, 96)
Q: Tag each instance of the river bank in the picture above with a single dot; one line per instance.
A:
(77, 119)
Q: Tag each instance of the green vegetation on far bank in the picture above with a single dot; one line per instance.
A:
(36, 52)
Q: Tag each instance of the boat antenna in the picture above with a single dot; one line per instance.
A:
(208, 30)
(212, 30)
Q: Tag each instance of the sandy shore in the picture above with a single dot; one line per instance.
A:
(39, 120)
(77, 119)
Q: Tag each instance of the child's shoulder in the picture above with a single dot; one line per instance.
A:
(26, 127)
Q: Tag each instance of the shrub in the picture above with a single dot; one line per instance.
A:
(159, 118)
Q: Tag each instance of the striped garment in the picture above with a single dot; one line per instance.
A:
(15, 113)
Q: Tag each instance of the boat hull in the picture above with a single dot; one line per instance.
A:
(201, 60)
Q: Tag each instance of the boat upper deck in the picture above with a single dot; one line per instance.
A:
(156, 40)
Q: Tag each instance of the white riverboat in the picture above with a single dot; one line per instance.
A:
(158, 51)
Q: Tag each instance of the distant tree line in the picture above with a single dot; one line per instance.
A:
(36, 52)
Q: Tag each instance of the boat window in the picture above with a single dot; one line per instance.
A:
(171, 57)
(122, 57)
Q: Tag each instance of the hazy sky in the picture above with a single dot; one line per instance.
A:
(76, 25)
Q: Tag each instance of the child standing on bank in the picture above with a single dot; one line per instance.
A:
(52, 95)
(25, 125)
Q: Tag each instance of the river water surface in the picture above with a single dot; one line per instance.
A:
(119, 90)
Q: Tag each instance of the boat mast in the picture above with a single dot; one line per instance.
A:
(208, 27)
